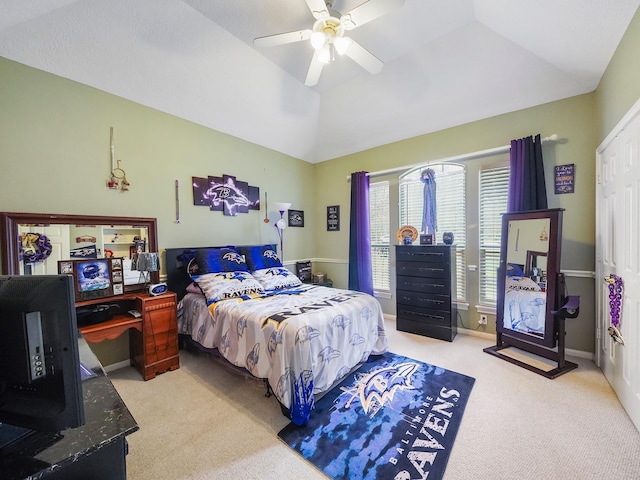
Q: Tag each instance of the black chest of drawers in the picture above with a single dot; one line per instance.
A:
(425, 290)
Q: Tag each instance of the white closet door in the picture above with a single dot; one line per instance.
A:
(618, 249)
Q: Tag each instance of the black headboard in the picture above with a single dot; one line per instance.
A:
(176, 260)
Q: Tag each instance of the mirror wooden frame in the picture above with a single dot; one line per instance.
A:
(553, 269)
(9, 229)
(554, 333)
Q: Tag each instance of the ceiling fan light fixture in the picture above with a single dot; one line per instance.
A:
(317, 40)
(342, 44)
(324, 54)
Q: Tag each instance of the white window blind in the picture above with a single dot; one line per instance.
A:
(379, 224)
(450, 210)
(494, 189)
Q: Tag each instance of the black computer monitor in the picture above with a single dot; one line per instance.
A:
(40, 382)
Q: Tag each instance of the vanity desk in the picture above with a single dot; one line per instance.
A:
(153, 336)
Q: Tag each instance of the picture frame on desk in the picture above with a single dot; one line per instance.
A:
(427, 239)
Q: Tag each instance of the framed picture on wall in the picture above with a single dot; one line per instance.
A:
(333, 218)
(296, 218)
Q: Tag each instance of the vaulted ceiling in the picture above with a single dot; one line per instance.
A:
(446, 62)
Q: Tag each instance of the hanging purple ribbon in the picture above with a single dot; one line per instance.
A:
(615, 297)
(429, 221)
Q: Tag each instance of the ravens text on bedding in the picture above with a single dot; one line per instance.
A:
(281, 316)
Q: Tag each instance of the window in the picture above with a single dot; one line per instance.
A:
(494, 187)
(379, 224)
(450, 209)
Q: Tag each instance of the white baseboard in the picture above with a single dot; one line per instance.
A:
(117, 366)
(491, 336)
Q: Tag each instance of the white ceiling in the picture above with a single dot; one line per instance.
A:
(447, 62)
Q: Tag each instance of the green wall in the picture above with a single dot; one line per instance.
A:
(581, 122)
(55, 158)
(619, 88)
(572, 119)
(54, 155)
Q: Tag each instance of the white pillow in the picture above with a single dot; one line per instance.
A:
(276, 278)
(223, 285)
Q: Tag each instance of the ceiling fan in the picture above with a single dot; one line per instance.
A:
(327, 35)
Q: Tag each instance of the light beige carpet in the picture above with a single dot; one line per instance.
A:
(204, 421)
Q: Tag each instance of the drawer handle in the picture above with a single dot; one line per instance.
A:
(418, 314)
(423, 300)
(422, 285)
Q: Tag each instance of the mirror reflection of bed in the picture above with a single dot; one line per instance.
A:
(525, 299)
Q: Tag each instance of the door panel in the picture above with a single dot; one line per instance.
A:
(617, 252)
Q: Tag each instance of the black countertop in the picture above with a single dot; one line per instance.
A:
(106, 419)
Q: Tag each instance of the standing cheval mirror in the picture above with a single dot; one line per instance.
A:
(530, 289)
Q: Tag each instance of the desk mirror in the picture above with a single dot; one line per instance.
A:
(33, 243)
(527, 279)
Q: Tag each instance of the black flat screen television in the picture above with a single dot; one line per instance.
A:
(40, 381)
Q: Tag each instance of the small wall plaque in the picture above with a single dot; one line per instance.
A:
(333, 218)
(565, 178)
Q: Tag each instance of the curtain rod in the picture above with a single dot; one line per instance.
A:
(464, 156)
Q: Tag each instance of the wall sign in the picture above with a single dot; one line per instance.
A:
(333, 218)
(565, 178)
(225, 194)
(296, 218)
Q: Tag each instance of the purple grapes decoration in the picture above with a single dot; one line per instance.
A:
(615, 305)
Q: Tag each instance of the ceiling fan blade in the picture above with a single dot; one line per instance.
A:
(282, 38)
(318, 9)
(315, 69)
(364, 58)
(368, 11)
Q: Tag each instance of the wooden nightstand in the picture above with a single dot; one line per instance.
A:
(153, 338)
(155, 349)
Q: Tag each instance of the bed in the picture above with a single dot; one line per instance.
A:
(525, 305)
(302, 339)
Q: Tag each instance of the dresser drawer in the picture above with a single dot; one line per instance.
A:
(419, 269)
(424, 300)
(440, 332)
(440, 286)
(423, 254)
(424, 315)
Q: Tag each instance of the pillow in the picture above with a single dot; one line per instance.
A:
(215, 260)
(259, 257)
(193, 288)
(276, 278)
(522, 283)
(515, 270)
(222, 285)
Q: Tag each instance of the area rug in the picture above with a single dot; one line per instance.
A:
(393, 418)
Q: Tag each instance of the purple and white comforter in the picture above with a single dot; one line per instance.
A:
(301, 339)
